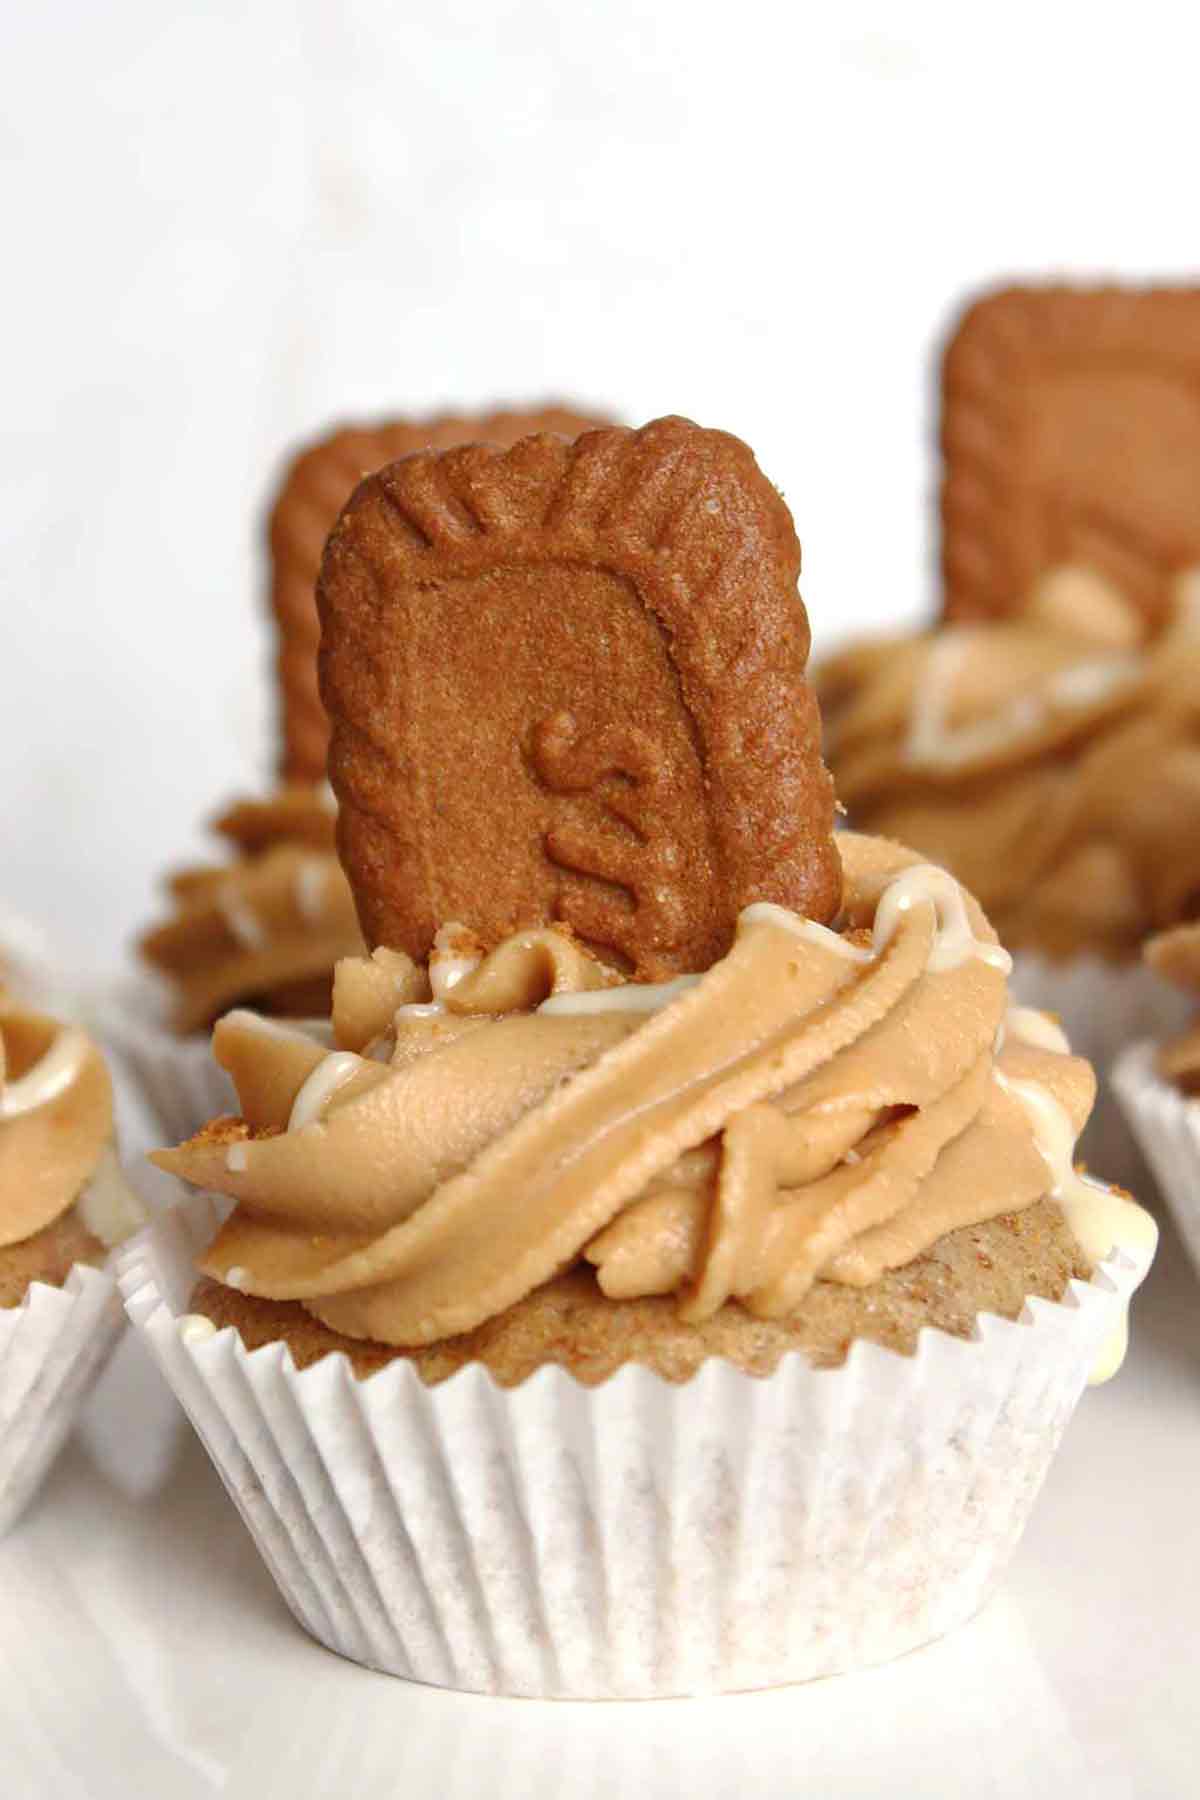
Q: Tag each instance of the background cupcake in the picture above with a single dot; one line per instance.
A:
(766, 1125)
(1158, 1084)
(64, 1205)
(1044, 740)
(1053, 762)
(263, 929)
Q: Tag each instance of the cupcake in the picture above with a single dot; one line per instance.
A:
(1158, 1085)
(264, 928)
(64, 1205)
(1046, 760)
(669, 1272)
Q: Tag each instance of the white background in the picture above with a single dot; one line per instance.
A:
(221, 228)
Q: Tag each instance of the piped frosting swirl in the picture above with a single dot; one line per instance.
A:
(267, 927)
(1046, 760)
(56, 1132)
(820, 1105)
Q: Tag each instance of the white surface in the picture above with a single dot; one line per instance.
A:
(224, 224)
(145, 1651)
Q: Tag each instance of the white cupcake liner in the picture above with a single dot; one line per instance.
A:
(1104, 1007)
(52, 1348)
(1166, 1124)
(174, 1077)
(635, 1539)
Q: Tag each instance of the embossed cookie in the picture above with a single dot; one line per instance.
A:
(1071, 437)
(567, 682)
(316, 485)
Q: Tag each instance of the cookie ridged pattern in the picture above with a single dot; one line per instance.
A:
(1070, 434)
(315, 487)
(649, 580)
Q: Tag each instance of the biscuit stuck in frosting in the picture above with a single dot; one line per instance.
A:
(822, 1106)
(566, 682)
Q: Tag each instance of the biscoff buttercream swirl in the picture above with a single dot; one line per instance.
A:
(1175, 955)
(267, 927)
(820, 1105)
(56, 1132)
(1047, 761)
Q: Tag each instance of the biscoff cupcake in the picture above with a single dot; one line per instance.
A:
(1158, 1085)
(1048, 760)
(675, 1276)
(264, 927)
(64, 1204)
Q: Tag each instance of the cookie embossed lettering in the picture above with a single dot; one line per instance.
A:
(622, 869)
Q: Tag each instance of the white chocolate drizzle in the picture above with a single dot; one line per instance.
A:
(331, 1073)
(50, 1076)
(954, 942)
(194, 1328)
(107, 1204)
(310, 888)
(630, 996)
(1101, 1218)
(244, 924)
(932, 742)
(447, 967)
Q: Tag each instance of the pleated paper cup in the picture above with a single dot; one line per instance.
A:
(1166, 1124)
(1104, 1008)
(174, 1078)
(52, 1348)
(638, 1538)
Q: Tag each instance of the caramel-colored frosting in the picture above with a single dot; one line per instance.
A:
(56, 1132)
(1176, 955)
(1053, 762)
(264, 929)
(820, 1105)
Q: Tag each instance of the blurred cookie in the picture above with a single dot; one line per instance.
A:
(316, 485)
(1071, 438)
(568, 682)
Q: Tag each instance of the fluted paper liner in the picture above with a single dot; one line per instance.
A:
(1166, 1124)
(1104, 1007)
(52, 1348)
(175, 1077)
(639, 1538)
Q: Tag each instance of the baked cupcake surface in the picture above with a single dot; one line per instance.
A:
(1052, 761)
(266, 927)
(831, 1134)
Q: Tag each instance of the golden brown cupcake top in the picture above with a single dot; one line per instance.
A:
(266, 927)
(1053, 761)
(821, 1104)
(56, 1133)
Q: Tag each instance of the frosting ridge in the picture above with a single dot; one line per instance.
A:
(819, 1105)
(265, 927)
